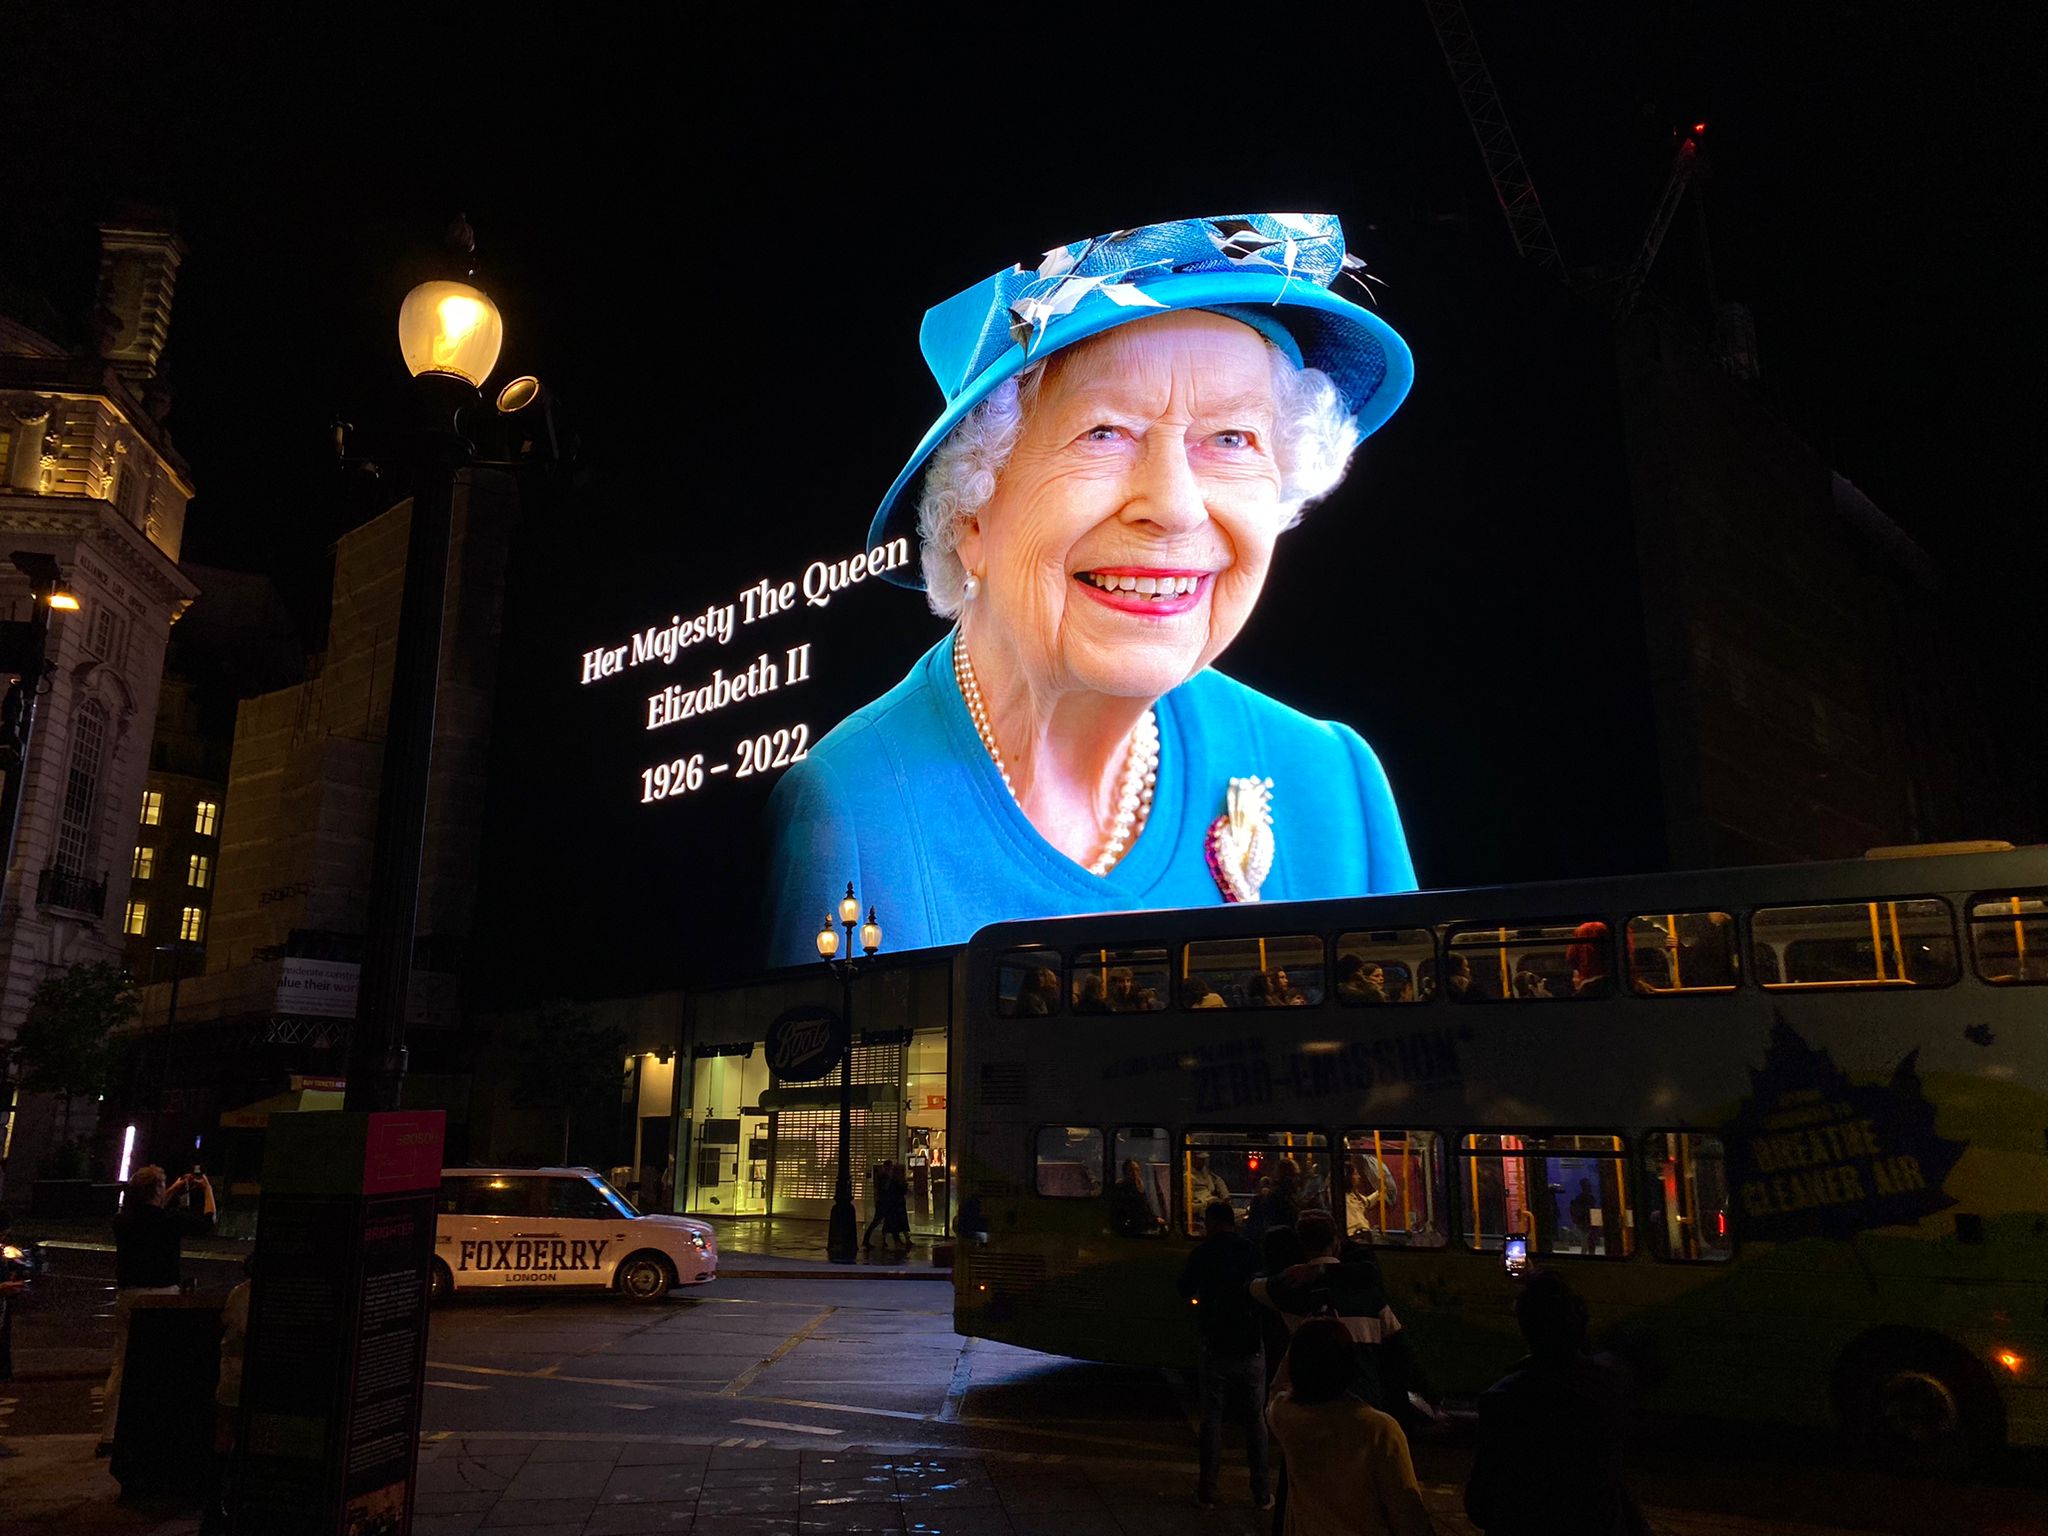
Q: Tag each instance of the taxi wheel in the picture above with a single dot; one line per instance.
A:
(440, 1284)
(646, 1277)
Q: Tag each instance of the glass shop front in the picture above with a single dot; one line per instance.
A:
(750, 1145)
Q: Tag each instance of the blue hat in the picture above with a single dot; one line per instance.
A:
(1272, 271)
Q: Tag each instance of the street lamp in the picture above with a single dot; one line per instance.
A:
(842, 1244)
(449, 334)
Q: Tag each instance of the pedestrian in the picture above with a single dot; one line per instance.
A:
(11, 1286)
(878, 1178)
(1232, 1359)
(1561, 1407)
(227, 1401)
(1348, 1468)
(896, 1207)
(1352, 1291)
(148, 1235)
(1279, 1251)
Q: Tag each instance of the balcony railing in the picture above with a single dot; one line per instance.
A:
(72, 893)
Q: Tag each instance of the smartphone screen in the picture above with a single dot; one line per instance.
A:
(1515, 1254)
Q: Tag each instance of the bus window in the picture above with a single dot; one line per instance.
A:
(1142, 1158)
(2009, 937)
(1119, 980)
(1252, 973)
(1396, 965)
(1027, 984)
(1682, 953)
(1394, 1188)
(1533, 963)
(1856, 944)
(1567, 1193)
(1069, 1162)
(1268, 1177)
(1687, 1188)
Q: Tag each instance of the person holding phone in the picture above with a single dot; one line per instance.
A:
(148, 1257)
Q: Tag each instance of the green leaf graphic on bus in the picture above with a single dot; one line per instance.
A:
(1814, 1155)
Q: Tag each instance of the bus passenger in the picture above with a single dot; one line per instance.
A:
(1588, 960)
(1090, 996)
(1348, 1468)
(1040, 994)
(1360, 983)
(1130, 1205)
(1205, 1186)
(1458, 978)
(1216, 1278)
(1560, 1408)
(1372, 1191)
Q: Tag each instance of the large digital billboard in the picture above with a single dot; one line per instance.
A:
(1131, 423)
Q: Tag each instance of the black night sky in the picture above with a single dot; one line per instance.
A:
(717, 246)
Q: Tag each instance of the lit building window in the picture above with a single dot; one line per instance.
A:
(192, 926)
(199, 873)
(152, 808)
(137, 920)
(145, 861)
(203, 819)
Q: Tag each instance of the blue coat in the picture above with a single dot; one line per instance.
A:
(901, 799)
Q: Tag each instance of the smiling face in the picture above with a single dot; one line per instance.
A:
(1130, 533)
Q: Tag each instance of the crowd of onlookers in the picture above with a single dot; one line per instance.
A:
(1301, 1347)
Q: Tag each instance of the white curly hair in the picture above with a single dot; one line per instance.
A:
(1313, 440)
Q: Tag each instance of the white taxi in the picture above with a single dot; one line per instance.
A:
(561, 1228)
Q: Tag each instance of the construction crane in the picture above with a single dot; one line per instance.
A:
(1497, 147)
(1685, 165)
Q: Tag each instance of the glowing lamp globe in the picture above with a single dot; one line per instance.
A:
(450, 328)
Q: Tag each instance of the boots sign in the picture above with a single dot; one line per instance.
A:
(805, 1043)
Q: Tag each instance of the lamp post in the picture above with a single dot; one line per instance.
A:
(842, 1242)
(450, 334)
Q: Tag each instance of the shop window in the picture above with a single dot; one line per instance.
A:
(1566, 1193)
(137, 920)
(1530, 963)
(1673, 954)
(1027, 984)
(203, 817)
(1394, 1188)
(145, 862)
(1263, 1175)
(1141, 1158)
(1119, 980)
(152, 808)
(199, 871)
(1686, 1190)
(1069, 1159)
(1394, 965)
(192, 924)
(2009, 937)
(1284, 972)
(1890, 944)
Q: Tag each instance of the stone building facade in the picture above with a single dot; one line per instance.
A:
(89, 476)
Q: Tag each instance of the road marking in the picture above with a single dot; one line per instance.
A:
(801, 1429)
(956, 1389)
(461, 1386)
(746, 1378)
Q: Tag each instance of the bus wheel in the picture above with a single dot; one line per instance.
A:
(646, 1277)
(440, 1284)
(1918, 1399)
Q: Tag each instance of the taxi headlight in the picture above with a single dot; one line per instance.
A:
(697, 1240)
(12, 1254)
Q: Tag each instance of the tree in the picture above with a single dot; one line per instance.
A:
(66, 1044)
(567, 1062)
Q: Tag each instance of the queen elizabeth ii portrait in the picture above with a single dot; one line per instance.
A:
(1129, 427)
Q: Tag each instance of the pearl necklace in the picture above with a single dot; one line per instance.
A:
(1134, 793)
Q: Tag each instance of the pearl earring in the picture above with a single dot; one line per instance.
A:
(971, 587)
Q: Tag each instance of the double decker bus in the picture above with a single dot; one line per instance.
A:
(1785, 1128)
